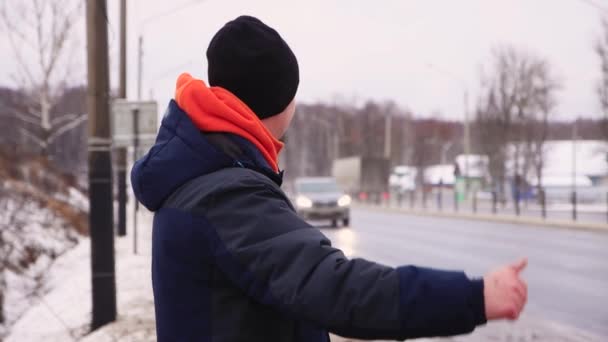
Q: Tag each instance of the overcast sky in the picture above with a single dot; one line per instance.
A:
(356, 50)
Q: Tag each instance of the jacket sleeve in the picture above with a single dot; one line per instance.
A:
(281, 261)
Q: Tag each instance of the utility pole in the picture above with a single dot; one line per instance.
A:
(135, 156)
(121, 173)
(387, 135)
(140, 59)
(574, 138)
(122, 90)
(100, 167)
(467, 142)
(336, 146)
(121, 157)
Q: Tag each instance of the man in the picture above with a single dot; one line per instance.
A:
(231, 260)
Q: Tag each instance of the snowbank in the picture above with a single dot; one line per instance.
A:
(64, 313)
(32, 237)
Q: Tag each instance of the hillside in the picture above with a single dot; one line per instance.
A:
(43, 216)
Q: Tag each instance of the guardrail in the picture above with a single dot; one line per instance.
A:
(540, 206)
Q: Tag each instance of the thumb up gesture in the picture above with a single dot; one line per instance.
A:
(505, 292)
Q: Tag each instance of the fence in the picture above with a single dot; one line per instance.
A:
(576, 206)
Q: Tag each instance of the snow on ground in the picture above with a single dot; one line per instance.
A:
(62, 306)
(64, 313)
(75, 198)
(31, 237)
(588, 157)
(584, 207)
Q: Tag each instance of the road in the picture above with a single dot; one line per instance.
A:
(567, 273)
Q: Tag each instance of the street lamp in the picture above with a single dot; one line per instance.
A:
(467, 134)
(574, 138)
(444, 150)
(328, 127)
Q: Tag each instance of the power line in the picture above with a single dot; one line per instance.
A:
(172, 70)
(169, 12)
(140, 40)
(592, 3)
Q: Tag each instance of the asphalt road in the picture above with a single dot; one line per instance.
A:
(567, 273)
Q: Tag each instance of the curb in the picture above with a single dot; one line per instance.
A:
(587, 226)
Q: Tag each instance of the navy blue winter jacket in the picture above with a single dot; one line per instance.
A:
(232, 261)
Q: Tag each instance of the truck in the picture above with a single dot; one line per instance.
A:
(362, 177)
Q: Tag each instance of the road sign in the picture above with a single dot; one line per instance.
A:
(122, 122)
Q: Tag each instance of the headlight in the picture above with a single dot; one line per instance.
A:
(344, 201)
(303, 202)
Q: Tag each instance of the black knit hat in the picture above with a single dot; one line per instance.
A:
(252, 61)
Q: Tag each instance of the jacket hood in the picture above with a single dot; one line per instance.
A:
(182, 152)
(215, 109)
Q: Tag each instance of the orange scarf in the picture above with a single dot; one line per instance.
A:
(214, 109)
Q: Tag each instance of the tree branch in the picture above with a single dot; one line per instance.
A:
(66, 128)
(45, 26)
(21, 117)
(32, 136)
(60, 120)
(21, 62)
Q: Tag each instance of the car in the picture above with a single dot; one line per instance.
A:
(403, 179)
(320, 198)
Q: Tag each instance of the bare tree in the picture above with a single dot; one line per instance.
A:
(537, 124)
(10, 100)
(492, 139)
(601, 48)
(513, 115)
(42, 37)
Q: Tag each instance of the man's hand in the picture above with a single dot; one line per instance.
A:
(505, 293)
